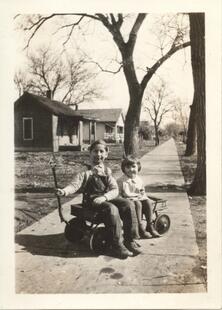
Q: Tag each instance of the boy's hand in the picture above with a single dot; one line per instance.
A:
(60, 192)
(99, 200)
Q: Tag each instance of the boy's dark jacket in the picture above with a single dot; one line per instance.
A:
(108, 185)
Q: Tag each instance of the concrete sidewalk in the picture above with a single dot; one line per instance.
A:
(47, 263)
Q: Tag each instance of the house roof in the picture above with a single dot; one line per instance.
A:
(102, 115)
(56, 107)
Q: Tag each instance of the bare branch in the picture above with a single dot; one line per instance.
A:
(113, 19)
(104, 19)
(153, 69)
(105, 70)
(16, 16)
(37, 25)
(120, 20)
(114, 29)
(149, 111)
(133, 33)
(72, 25)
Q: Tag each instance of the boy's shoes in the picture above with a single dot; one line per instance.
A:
(133, 247)
(150, 228)
(120, 251)
(137, 236)
(135, 233)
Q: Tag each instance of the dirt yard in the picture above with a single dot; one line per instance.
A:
(33, 172)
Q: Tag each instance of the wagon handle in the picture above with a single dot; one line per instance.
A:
(52, 163)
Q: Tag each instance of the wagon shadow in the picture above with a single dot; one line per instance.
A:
(162, 187)
(52, 245)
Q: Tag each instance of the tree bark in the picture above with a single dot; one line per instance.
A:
(197, 36)
(157, 140)
(132, 123)
(191, 132)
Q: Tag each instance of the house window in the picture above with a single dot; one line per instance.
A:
(27, 128)
(108, 129)
(120, 129)
(93, 129)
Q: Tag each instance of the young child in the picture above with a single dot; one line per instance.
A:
(100, 191)
(131, 187)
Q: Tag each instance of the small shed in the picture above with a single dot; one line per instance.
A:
(42, 124)
(109, 124)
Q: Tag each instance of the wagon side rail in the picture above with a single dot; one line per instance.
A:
(156, 199)
(160, 202)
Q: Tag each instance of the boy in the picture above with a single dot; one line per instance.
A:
(100, 191)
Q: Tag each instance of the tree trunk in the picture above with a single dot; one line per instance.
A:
(191, 132)
(132, 123)
(197, 36)
(157, 140)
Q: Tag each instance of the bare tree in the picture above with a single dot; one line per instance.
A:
(125, 44)
(197, 37)
(21, 82)
(67, 79)
(46, 71)
(158, 102)
(173, 129)
(79, 85)
(180, 115)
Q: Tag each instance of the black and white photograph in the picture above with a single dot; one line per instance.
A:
(111, 143)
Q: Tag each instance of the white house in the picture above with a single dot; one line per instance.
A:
(109, 125)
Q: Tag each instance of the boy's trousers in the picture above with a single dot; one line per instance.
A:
(112, 212)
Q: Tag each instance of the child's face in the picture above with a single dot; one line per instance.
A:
(131, 171)
(98, 154)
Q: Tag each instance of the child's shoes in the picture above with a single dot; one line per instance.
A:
(143, 233)
(150, 228)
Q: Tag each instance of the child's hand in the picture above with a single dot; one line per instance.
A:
(60, 192)
(99, 200)
(142, 192)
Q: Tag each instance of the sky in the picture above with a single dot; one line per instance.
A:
(97, 44)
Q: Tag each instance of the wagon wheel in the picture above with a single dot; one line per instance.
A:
(162, 223)
(74, 230)
(99, 240)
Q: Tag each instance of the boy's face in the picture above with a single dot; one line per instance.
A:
(131, 171)
(98, 154)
